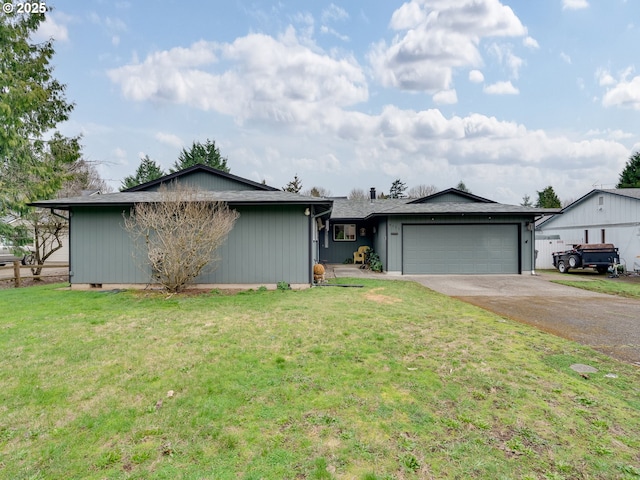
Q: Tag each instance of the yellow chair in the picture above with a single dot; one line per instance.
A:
(359, 256)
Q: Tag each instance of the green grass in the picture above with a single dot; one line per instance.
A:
(609, 286)
(389, 381)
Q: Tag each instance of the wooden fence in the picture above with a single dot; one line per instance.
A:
(18, 275)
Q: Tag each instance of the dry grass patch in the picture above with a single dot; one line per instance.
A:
(373, 296)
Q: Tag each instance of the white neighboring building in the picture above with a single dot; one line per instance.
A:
(601, 216)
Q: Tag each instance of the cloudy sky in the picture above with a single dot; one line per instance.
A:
(509, 96)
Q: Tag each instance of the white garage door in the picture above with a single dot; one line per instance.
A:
(460, 249)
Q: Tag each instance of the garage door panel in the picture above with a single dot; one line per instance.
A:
(460, 249)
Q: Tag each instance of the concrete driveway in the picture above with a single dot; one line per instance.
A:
(607, 323)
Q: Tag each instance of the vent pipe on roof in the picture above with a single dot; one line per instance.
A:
(372, 193)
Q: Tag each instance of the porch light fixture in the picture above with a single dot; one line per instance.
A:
(307, 212)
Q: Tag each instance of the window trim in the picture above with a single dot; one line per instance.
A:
(348, 229)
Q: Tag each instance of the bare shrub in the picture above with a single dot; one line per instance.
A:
(179, 234)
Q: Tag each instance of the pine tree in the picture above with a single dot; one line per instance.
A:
(294, 186)
(547, 198)
(147, 171)
(630, 176)
(462, 187)
(205, 154)
(397, 189)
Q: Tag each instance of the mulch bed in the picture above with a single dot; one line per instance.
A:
(31, 282)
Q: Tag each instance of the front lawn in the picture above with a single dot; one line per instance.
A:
(388, 381)
(611, 286)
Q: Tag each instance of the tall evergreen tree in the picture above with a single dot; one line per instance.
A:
(294, 186)
(147, 171)
(547, 198)
(630, 176)
(462, 187)
(32, 103)
(34, 157)
(526, 201)
(206, 154)
(397, 190)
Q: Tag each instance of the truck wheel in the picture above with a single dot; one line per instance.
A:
(29, 259)
(562, 268)
(574, 261)
(601, 270)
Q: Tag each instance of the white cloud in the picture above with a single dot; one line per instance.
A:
(333, 13)
(505, 56)
(445, 97)
(169, 139)
(437, 36)
(308, 93)
(54, 26)
(330, 31)
(501, 88)
(120, 156)
(112, 26)
(611, 134)
(565, 58)
(476, 76)
(531, 43)
(625, 94)
(474, 146)
(279, 80)
(605, 78)
(574, 4)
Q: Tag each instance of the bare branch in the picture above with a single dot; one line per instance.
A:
(180, 234)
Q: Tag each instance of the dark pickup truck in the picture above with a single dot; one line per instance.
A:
(599, 256)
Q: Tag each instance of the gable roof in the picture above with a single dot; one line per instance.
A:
(633, 193)
(233, 198)
(360, 209)
(452, 191)
(364, 209)
(200, 168)
(623, 192)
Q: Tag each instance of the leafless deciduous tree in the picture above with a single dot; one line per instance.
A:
(421, 191)
(49, 228)
(83, 176)
(358, 194)
(317, 192)
(179, 234)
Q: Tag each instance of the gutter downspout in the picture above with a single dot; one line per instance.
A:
(533, 244)
(313, 223)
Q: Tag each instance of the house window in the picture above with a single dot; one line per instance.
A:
(600, 200)
(586, 236)
(602, 236)
(344, 232)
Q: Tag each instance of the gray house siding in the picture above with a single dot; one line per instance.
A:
(340, 250)
(268, 244)
(602, 214)
(101, 250)
(206, 181)
(380, 242)
(395, 241)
